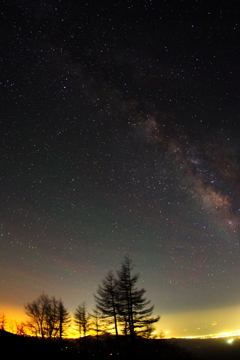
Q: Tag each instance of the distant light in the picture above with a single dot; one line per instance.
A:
(230, 341)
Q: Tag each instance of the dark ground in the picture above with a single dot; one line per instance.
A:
(174, 349)
(212, 349)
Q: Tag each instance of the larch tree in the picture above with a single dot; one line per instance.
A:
(132, 305)
(63, 319)
(107, 300)
(119, 301)
(97, 323)
(81, 319)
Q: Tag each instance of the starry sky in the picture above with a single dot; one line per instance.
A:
(120, 136)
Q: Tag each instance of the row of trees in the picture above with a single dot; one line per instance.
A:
(120, 307)
(48, 317)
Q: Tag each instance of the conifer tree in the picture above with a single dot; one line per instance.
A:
(82, 321)
(64, 319)
(132, 305)
(107, 300)
(120, 301)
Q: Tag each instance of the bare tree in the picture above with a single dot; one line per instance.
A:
(3, 321)
(51, 326)
(38, 312)
(48, 317)
(20, 328)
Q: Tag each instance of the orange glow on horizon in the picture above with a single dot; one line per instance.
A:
(12, 312)
(221, 322)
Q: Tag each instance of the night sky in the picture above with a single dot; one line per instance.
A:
(120, 135)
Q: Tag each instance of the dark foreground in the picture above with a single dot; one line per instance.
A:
(212, 349)
(105, 348)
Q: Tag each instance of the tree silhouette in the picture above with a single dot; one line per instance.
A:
(133, 307)
(20, 328)
(48, 317)
(120, 302)
(107, 299)
(95, 324)
(38, 314)
(51, 318)
(82, 321)
(3, 321)
(63, 318)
